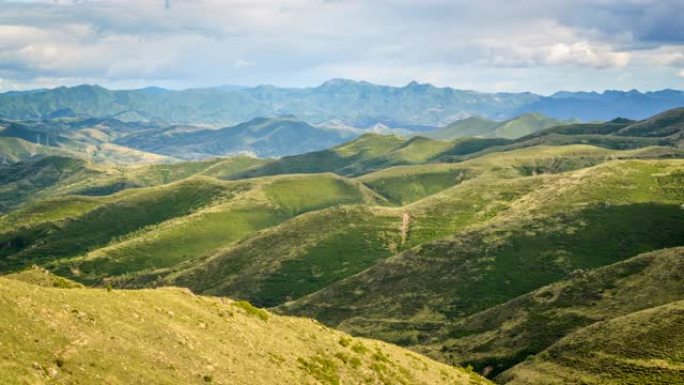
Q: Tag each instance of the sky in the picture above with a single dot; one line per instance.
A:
(486, 45)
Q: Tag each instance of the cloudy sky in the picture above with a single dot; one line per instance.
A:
(487, 45)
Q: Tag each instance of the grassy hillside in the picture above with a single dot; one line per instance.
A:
(164, 225)
(522, 125)
(169, 336)
(502, 336)
(471, 126)
(579, 220)
(645, 347)
(14, 150)
(52, 177)
(308, 253)
(365, 147)
(31, 179)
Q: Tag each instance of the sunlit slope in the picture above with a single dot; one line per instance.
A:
(306, 254)
(502, 336)
(579, 220)
(169, 336)
(48, 177)
(170, 224)
(364, 148)
(17, 149)
(645, 347)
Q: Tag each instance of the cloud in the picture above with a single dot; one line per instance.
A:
(303, 42)
(242, 64)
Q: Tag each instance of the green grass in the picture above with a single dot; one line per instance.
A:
(130, 212)
(552, 225)
(502, 336)
(239, 210)
(402, 188)
(165, 246)
(645, 347)
(296, 195)
(170, 336)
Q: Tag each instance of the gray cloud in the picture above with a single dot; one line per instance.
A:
(512, 45)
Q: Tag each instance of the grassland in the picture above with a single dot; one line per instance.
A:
(60, 335)
(563, 223)
(477, 252)
(505, 335)
(645, 347)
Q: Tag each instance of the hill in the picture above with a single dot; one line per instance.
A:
(505, 335)
(263, 137)
(522, 125)
(14, 150)
(165, 336)
(476, 126)
(469, 127)
(648, 350)
(559, 223)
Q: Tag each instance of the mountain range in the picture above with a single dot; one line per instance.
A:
(358, 104)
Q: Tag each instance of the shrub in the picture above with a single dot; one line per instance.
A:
(251, 310)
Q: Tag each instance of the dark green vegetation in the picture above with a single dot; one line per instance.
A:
(475, 251)
(502, 336)
(643, 347)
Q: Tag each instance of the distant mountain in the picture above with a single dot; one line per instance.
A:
(592, 106)
(263, 137)
(361, 104)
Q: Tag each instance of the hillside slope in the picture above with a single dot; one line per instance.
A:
(169, 336)
(578, 220)
(504, 335)
(645, 347)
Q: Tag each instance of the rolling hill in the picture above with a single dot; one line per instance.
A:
(505, 335)
(57, 332)
(648, 351)
(474, 251)
(476, 126)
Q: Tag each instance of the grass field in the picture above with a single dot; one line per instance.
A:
(61, 333)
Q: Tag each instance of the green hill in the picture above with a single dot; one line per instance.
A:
(471, 126)
(14, 150)
(522, 125)
(53, 176)
(363, 148)
(170, 336)
(502, 336)
(578, 220)
(476, 126)
(645, 347)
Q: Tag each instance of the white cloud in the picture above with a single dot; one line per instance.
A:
(301, 42)
(242, 64)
